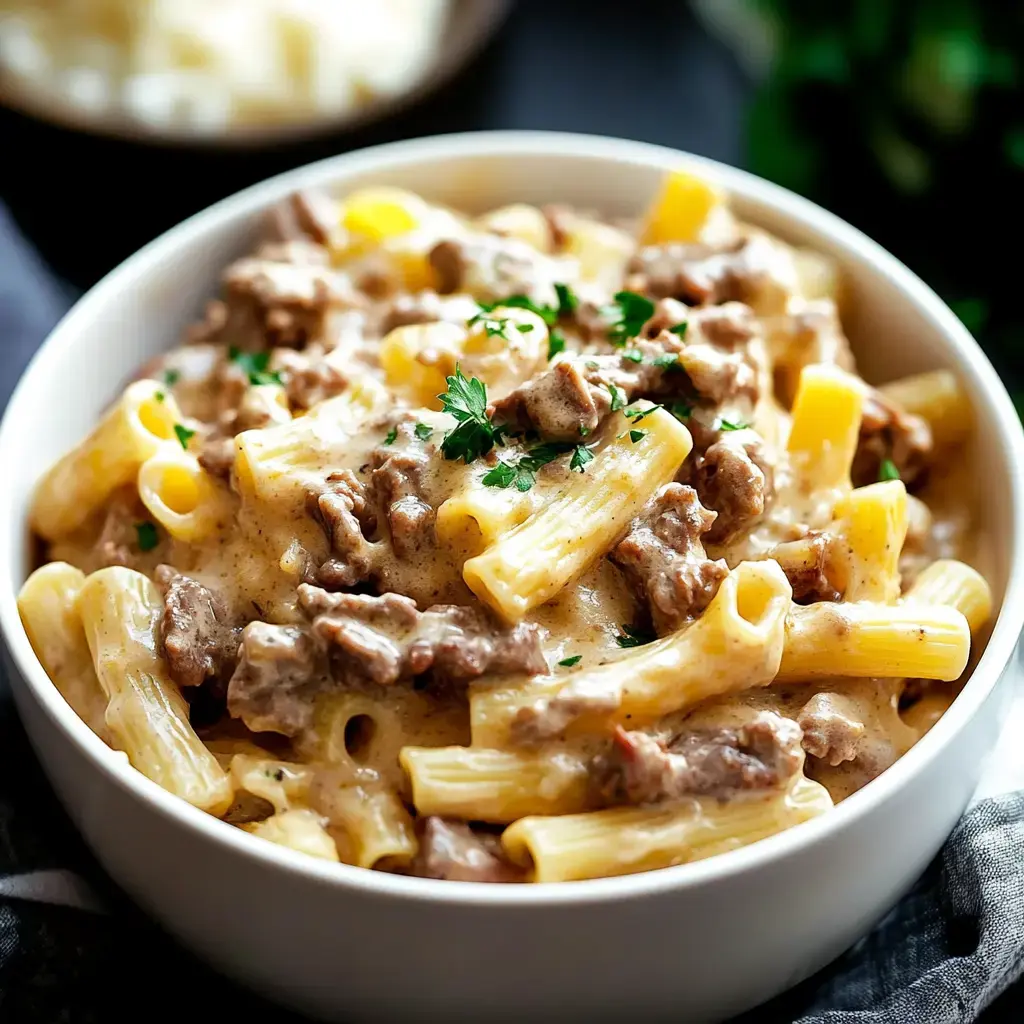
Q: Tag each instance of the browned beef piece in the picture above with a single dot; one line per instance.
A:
(806, 565)
(887, 432)
(197, 640)
(308, 377)
(497, 265)
(831, 728)
(385, 639)
(341, 508)
(453, 851)
(548, 717)
(560, 219)
(306, 215)
(639, 769)
(569, 400)
(399, 472)
(664, 560)
(280, 672)
(733, 478)
(217, 455)
(699, 274)
(718, 375)
(118, 541)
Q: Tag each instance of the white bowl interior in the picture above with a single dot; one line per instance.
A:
(139, 310)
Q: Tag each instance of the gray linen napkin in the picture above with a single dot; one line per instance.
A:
(953, 944)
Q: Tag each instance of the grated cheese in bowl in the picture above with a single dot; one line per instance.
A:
(205, 66)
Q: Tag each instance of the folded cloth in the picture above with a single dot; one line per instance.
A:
(73, 949)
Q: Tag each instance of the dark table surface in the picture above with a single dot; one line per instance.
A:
(87, 203)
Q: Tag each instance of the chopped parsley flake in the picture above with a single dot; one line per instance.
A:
(160, 396)
(680, 329)
(556, 343)
(888, 470)
(392, 436)
(630, 637)
(580, 457)
(254, 365)
(523, 472)
(637, 435)
(569, 662)
(423, 431)
(183, 434)
(635, 415)
(524, 328)
(466, 401)
(629, 312)
(171, 377)
(633, 355)
(146, 536)
(493, 327)
(547, 313)
(727, 425)
(681, 410)
(666, 361)
(618, 398)
(567, 300)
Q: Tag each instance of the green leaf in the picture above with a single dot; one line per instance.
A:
(254, 365)
(183, 434)
(887, 470)
(569, 662)
(580, 457)
(727, 425)
(618, 397)
(171, 377)
(556, 343)
(524, 328)
(568, 302)
(466, 401)
(633, 355)
(631, 637)
(680, 328)
(423, 431)
(666, 361)
(391, 436)
(147, 536)
(635, 415)
(681, 410)
(161, 397)
(629, 312)
(501, 475)
(637, 435)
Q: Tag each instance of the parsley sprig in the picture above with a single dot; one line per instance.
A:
(888, 470)
(146, 536)
(183, 434)
(475, 435)
(523, 472)
(727, 425)
(629, 312)
(567, 303)
(254, 365)
(632, 637)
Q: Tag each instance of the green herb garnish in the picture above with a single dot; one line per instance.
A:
(681, 410)
(171, 377)
(637, 435)
(580, 457)
(888, 470)
(631, 637)
(547, 313)
(568, 302)
(633, 355)
(523, 472)
(556, 343)
(392, 436)
(423, 431)
(146, 536)
(666, 361)
(254, 365)
(475, 435)
(635, 415)
(726, 425)
(161, 397)
(569, 662)
(680, 329)
(630, 312)
(619, 400)
(183, 434)
(524, 328)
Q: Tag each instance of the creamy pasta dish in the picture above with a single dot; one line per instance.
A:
(525, 546)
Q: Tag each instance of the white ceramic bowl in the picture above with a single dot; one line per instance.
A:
(707, 939)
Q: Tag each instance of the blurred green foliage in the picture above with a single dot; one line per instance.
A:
(907, 118)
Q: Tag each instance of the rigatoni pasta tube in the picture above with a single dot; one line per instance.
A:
(494, 785)
(147, 715)
(140, 422)
(478, 515)
(826, 422)
(375, 823)
(181, 496)
(300, 829)
(955, 585)
(529, 565)
(624, 840)
(48, 603)
(937, 397)
(872, 521)
(735, 645)
(863, 638)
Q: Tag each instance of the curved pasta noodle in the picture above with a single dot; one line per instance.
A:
(141, 421)
(529, 565)
(148, 717)
(955, 585)
(181, 496)
(735, 645)
(375, 823)
(495, 785)
(624, 840)
(872, 522)
(937, 397)
(48, 603)
(300, 829)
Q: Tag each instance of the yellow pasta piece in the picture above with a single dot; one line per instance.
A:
(140, 422)
(181, 496)
(301, 830)
(495, 785)
(923, 641)
(735, 645)
(518, 220)
(954, 585)
(48, 603)
(872, 521)
(625, 840)
(281, 783)
(818, 275)
(148, 717)
(476, 516)
(529, 565)
(503, 349)
(826, 423)
(280, 461)
(372, 215)
(602, 251)
(681, 210)
(937, 397)
(375, 823)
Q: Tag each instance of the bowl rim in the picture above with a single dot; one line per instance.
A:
(801, 213)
